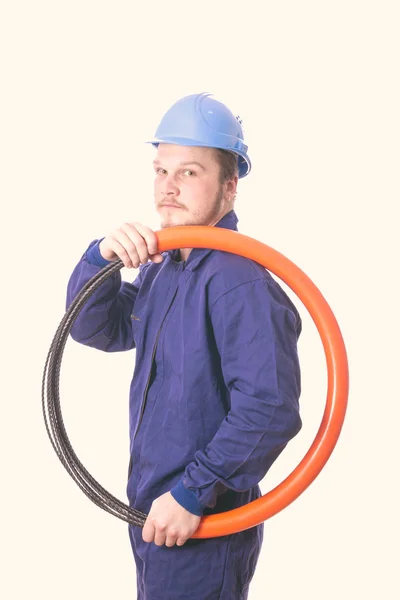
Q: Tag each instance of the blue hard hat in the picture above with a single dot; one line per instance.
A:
(201, 120)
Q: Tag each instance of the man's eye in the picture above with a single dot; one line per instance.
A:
(160, 171)
(188, 172)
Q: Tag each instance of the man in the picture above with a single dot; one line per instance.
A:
(215, 390)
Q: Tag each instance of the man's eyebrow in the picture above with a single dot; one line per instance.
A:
(192, 162)
(184, 163)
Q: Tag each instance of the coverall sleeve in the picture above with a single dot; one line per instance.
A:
(104, 322)
(256, 332)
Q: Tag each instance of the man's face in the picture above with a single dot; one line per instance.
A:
(187, 188)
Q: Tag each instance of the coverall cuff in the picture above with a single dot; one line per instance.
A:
(94, 257)
(187, 499)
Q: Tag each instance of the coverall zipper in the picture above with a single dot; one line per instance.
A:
(183, 264)
(151, 366)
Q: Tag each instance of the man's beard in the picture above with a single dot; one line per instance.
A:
(200, 218)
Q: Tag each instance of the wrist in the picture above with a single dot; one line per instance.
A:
(187, 499)
(94, 256)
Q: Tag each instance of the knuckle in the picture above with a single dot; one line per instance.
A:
(132, 253)
(146, 237)
(152, 247)
(130, 246)
(143, 257)
(138, 242)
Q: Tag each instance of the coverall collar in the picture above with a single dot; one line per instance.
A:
(197, 255)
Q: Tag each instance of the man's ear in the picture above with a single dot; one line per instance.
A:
(231, 188)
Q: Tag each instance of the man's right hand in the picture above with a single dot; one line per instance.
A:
(133, 243)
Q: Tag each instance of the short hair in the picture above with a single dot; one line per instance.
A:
(228, 162)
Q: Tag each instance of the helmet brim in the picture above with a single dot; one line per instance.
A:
(244, 164)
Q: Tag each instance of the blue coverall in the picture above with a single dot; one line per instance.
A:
(214, 399)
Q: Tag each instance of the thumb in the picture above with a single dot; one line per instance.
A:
(156, 258)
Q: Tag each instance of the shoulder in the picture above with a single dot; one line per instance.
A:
(226, 271)
(231, 273)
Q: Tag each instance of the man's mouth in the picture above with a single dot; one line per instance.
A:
(170, 206)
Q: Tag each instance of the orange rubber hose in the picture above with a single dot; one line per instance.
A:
(336, 359)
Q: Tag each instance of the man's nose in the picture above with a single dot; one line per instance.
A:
(170, 188)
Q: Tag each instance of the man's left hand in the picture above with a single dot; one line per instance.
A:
(169, 523)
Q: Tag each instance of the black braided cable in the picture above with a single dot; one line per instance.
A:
(52, 410)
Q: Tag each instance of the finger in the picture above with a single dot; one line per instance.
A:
(156, 258)
(148, 531)
(138, 241)
(149, 236)
(128, 247)
(160, 537)
(181, 540)
(120, 251)
(183, 537)
(171, 538)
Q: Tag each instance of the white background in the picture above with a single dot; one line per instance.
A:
(84, 84)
